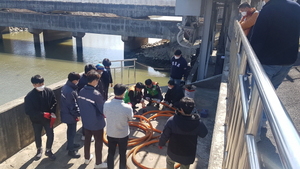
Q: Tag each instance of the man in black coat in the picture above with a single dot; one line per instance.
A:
(174, 94)
(69, 111)
(39, 103)
(275, 38)
(182, 131)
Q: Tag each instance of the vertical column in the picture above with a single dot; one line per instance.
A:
(205, 45)
(78, 36)
(36, 40)
(132, 43)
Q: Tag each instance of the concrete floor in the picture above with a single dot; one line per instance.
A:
(149, 156)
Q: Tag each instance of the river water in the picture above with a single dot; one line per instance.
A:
(19, 61)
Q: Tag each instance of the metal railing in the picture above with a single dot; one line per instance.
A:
(121, 69)
(249, 92)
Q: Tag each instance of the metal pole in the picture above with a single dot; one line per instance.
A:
(204, 53)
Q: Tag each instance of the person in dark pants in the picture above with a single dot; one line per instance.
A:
(174, 94)
(178, 68)
(117, 116)
(152, 91)
(108, 81)
(134, 95)
(90, 103)
(69, 111)
(182, 131)
(82, 82)
(39, 103)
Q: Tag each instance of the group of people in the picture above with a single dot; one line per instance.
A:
(273, 34)
(85, 97)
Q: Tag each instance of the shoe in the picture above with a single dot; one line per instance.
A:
(82, 138)
(74, 154)
(92, 139)
(39, 154)
(157, 105)
(50, 155)
(149, 104)
(102, 165)
(87, 161)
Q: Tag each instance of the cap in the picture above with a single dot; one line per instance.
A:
(100, 66)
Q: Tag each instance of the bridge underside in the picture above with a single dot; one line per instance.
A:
(92, 24)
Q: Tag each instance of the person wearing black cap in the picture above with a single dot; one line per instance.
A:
(134, 95)
(174, 94)
(69, 111)
(152, 91)
(178, 68)
(182, 131)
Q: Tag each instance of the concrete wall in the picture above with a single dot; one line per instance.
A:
(129, 10)
(16, 131)
(92, 24)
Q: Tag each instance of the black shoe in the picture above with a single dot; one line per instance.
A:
(39, 154)
(74, 154)
(50, 155)
(149, 104)
(157, 105)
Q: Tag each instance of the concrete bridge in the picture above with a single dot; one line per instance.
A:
(127, 8)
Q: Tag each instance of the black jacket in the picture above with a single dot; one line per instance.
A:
(275, 38)
(174, 95)
(182, 132)
(36, 103)
(178, 68)
(69, 109)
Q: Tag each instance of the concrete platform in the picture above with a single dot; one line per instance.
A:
(149, 156)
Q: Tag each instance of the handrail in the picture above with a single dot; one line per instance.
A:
(245, 110)
(122, 67)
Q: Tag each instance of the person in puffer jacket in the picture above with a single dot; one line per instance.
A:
(182, 131)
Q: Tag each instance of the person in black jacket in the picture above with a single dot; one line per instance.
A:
(178, 68)
(182, 131)
(39, 103)
(109, 82)
(275, 38)
(69, 111)
(174, 94)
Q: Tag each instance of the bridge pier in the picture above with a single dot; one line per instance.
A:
(79, 36)
(2, 28)
(36, 40)
(132, 43)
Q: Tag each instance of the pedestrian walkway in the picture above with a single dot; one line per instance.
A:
(150, 156)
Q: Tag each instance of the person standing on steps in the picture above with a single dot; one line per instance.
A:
(69, 111)
(178, 68)
(118, 114)
(39, 103)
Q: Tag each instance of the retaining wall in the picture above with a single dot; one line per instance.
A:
(16, 131)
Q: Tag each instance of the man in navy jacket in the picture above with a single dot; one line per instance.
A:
(178, 68)
(182, 131)
(90, 103)
(69, 111)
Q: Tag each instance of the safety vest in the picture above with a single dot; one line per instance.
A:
(152, 91)
(126, 97)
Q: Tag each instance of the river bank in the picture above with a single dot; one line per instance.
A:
(159, 54)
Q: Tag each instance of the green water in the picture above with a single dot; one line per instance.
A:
(19, 61)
